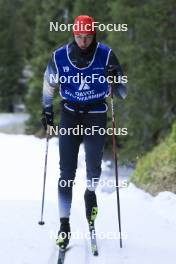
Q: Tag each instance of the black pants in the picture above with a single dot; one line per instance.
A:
(69, 148)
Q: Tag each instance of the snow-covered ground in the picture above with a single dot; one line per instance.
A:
(13, 123)
(148, 223)
(10, 119)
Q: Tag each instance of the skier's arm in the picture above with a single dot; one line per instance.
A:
(48, 92)
(114, 69)
(48, 83)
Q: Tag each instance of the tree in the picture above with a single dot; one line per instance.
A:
(148, 55)
(10, 56)
(17, 24)
(45, 42)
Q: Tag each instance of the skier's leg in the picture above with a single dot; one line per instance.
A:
(94, 145)
(90, 205)
(68, 149)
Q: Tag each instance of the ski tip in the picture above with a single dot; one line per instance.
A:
(41, 222)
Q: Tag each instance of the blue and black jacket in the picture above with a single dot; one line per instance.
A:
(88, 65)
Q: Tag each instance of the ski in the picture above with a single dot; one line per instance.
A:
(94, 247)
(61, 256)
(93, 241)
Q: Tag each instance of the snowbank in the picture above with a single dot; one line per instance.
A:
(148, 223)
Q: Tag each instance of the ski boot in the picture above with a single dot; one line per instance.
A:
(91, 207)
(91, 214)
(64, 234)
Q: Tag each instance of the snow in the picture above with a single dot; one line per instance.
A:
(11, 118)
(148, 223)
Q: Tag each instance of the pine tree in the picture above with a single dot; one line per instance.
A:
(147, 52)
(45, 42)
(17, 24)
(11, 58)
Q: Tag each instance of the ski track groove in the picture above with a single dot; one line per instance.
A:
(54, 255)
(84, 240)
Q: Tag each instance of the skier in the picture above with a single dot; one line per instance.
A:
(83, 104)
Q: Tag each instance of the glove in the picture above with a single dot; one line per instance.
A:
(47, 117)
(119, 89)
(110, 70)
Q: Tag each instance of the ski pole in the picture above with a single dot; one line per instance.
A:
(41, 222)
(116, 165)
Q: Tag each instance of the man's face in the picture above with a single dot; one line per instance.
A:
(83, 41)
